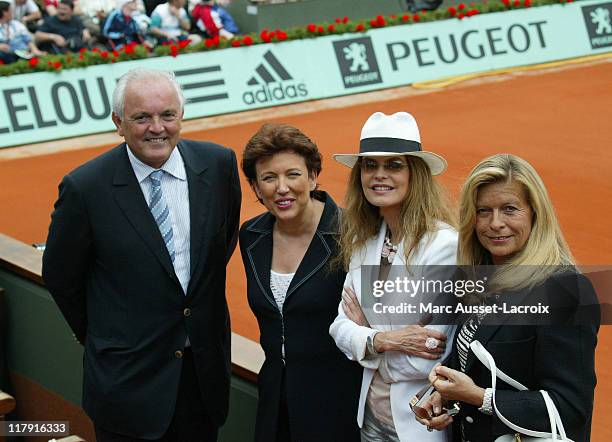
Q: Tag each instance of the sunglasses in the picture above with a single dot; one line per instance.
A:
(419, 398)
(369, 165)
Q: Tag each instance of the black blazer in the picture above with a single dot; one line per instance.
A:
(322, 385)
(107, 267)
(558, 357)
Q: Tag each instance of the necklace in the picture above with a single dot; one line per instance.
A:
(389, 249)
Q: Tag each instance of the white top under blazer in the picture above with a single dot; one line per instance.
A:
(409, 373)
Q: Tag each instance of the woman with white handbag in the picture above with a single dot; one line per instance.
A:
(517, 378)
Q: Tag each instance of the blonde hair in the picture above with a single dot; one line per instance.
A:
(545, 251)
(424, 206)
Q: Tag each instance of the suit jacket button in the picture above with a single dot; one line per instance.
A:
(187, 312)
(178, 354)
(469, 419)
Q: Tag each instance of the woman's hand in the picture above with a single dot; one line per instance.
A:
(453, 385)
(352, 308)
(411, 340)
(438, 420)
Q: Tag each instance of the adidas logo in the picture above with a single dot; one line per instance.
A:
(272, 82)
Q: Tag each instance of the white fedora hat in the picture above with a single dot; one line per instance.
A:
(392, 135)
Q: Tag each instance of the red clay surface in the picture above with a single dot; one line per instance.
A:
(558, 120)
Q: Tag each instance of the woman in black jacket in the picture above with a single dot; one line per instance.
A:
(308, 390)
(507, 220)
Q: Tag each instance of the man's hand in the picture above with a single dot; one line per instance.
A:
(438, 420)
(59, 40)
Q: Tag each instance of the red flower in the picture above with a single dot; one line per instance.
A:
(281, 35)
(57, 65)
(472, 12)
(345, 20)
(393, 16)
(569, 1)
(184, 43)
(115, 54)
(235, 43)
(517, 3)
(506, 2)
(405, 18)
(373, 23)
(416, 17)
(104, 54)
(209, 43)
(216, 40)
(452, 11)
(33, 62)
(460, 16)
(128, 49)
(360, 28)
(321, 29)
(461, 6)
(247, 41)
(49, 63)
(338, 20)
(330, 28)
(81, 57)
(82, 50)
(527, 3)
(311, 27)
(95, 50)
(381, 20)
(1, 62)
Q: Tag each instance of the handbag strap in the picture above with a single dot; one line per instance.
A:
(553, 415)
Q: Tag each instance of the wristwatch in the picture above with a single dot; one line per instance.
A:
(487, 402)
(370, 344)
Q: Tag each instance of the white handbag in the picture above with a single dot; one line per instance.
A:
(557, 432)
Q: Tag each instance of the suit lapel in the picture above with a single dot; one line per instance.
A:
(130, 199)
(260, 255)
(492, 323)
(199, 201)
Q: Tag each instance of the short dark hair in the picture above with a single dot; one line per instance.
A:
(68, 3)
(4, 6)
(271, 139)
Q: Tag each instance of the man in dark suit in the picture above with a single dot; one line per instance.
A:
(135, 259)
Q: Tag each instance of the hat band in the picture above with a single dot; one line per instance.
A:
(388, 145)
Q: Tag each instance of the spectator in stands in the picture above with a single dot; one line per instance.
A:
(63, 32)
(226, 19)
(26, 12)
(170, 22)
(15, 40)
(208, 21)
(120, 28)
(423, 5)
(52, 5)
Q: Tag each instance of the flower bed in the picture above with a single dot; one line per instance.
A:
(339, 26)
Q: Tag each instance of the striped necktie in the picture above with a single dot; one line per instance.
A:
(161, 212)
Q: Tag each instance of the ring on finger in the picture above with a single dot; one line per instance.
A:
(431, 343)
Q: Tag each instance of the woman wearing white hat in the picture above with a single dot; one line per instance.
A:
(395, 214)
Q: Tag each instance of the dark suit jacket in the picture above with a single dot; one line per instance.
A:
(558, 357)
(322, 385)
(108, 269)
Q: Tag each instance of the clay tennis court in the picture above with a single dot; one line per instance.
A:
(558, 119)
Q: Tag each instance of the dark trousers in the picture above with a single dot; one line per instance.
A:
(190, 422)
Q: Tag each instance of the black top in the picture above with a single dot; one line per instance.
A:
(322, 385)
(67, 29)
(558, 357)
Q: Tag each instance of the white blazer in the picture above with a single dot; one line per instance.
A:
(409, 373)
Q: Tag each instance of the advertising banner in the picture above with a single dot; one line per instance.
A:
(46, 106)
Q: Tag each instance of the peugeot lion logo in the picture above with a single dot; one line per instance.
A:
(598, 24)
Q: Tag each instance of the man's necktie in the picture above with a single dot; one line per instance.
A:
(161, 212)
